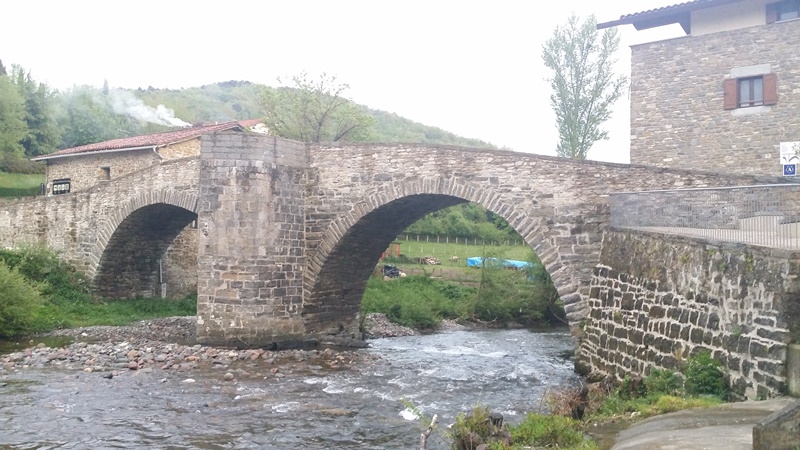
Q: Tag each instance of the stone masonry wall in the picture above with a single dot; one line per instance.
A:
(84, 171)
(677, 115)
(180, 264)
(251, 240)
(180, 150)
(657, 299)
(80, 223)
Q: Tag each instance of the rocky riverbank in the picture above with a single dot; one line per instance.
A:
(167, 344)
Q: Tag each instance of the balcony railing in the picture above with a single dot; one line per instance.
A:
(767, 215)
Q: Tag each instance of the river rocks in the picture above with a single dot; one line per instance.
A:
(378, 326)
(145, 346)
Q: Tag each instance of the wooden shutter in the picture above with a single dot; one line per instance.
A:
(730, 94)
(770, 89)
(772, 12)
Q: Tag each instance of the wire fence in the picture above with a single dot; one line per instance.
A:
(438, 239)
(767, 215)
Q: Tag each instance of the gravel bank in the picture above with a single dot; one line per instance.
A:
(167, 344)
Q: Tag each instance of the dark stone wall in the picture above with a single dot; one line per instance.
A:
(658, 299)
(130, 263)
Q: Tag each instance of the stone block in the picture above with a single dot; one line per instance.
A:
(793, 370)
(780, 430)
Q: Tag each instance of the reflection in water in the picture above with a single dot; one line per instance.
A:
(365, 408)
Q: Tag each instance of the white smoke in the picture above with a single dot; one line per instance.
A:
(124, 102)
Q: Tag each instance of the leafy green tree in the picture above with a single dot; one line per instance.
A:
(2, 69)
(583, 83)
(467, 220)
(314, 111)
(12, 120)
(87, 118)
(43, 134)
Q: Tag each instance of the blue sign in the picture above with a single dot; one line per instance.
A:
(789, 170)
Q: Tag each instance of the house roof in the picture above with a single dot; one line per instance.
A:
(679, 13)
(149, 140)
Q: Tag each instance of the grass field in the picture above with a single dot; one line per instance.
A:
(19, 185)
(455, 271)
(444, 251)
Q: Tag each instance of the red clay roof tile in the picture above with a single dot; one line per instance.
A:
(150, 140)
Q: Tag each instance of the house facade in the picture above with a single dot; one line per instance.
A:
(724, 98)
(79, 168)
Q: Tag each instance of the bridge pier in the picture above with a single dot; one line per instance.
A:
(251, 250)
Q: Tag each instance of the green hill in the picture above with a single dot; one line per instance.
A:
(235, 100)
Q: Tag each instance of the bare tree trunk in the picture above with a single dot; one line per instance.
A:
(423, 439)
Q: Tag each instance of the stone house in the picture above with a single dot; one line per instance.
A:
(723, 98)
(80, 168)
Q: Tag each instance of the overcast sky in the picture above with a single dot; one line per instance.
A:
(469, 67)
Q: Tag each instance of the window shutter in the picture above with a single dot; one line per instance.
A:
(772, 13)
(770, 89)
(729, 91)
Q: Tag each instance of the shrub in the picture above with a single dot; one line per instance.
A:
(479, 427)
(40, 264)
(541, 430)
(20, 303)
(704, 376)
(12, 164)
(663, 382)
(415, 301)
(631, 388)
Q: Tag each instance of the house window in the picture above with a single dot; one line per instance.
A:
(750, 91)
(61, 186)
(105, 173)
(785, 10)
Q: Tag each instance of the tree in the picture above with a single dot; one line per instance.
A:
(12, 120)
(43, 134)
(87, 118)
(314, 111)
(584, 85)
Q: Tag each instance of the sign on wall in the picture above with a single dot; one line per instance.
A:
(790, 157)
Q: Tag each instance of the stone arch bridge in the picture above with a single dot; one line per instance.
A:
(288, 233)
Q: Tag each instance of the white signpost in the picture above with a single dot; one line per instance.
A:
(790, 158)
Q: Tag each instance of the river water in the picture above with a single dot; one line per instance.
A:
(367, 407)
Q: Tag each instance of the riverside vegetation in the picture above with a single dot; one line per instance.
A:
(490, 295)
(575, 413)
(40, 292)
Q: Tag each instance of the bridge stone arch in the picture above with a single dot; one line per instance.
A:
(346, 253)
(133, 237)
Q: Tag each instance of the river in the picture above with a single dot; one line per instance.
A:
(369, 407)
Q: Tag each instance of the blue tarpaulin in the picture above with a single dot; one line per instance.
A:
(477, 261)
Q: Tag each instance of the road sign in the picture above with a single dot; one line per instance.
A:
(789, 153)
(790, 170)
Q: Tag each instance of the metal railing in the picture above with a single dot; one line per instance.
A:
(766, 215)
